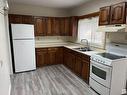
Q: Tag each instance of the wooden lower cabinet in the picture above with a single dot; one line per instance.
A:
(41, 57)
(78, 63)
(49, 56)
(75, 61)
(85, 70)
(78, 66)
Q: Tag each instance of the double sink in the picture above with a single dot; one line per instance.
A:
(83, 49)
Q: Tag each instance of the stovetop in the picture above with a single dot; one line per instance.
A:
(110, 56)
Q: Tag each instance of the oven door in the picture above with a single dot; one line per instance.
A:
(101, 73)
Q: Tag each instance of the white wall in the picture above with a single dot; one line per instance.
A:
(4, 59)
(36, 10)
(92, 6)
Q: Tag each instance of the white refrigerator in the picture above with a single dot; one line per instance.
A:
(23, 47)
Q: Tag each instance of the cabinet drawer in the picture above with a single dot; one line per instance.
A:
(52, 49)
(41, 49)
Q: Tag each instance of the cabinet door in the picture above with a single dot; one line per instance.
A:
(78, 66)
(27, 19)
(41, 57)
(16, 19)
(49, 22)
(52, 56)
(59, 56)
(73, 27)
(40, 26)
(71, 61)
(62, 26)
(67, 26)
(104, 15)
(85, 70)
(56, 26)
(118, 14)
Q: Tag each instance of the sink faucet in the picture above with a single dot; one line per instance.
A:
(86, 42)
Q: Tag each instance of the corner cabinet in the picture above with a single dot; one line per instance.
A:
(114, 14)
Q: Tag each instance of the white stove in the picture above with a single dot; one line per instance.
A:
(106, 58)
(108, 70)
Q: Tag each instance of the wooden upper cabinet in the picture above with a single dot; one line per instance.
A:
(73, 26)
(16, 19)
(20, 19)
(114, 14)
(62, 27)
(67, 26)
(118, 13)
(56, 26)
(40, 26)
(104, 16)
(49, 22)
(27, 19)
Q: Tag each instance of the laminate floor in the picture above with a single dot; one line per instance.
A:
(50, 80)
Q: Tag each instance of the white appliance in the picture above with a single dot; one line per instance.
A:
(108, 71)
(23, 47)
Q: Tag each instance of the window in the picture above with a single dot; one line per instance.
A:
(87, 29)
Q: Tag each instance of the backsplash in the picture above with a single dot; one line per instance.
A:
(51, 39)
(118, 37)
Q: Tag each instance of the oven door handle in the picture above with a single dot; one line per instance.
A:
(100, 65)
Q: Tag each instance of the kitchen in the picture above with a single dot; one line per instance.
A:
(72, 47)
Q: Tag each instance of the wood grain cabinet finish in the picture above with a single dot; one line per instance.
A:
(104, 16)
(41, 57)
(118, 13)
(85, 67)
(78, 66)
(73, 26)
(15, 19)
(67, 26)
(20, 19)
(49, 21)
(114, 14)
(62, 27)
(56, 26)
(78, 63)
(85, 70)
(49, 56)
(27, 19)
(48, 26)
(40, 26)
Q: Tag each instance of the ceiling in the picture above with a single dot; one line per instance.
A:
(51, 3)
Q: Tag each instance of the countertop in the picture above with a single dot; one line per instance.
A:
(68, 45)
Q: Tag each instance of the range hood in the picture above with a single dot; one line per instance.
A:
(112, 28)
